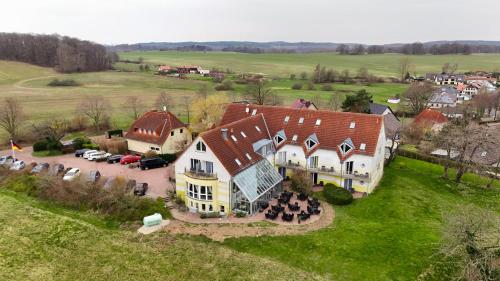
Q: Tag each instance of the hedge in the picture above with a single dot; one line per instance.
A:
(170, 158)
(336, 195)
(40, 145)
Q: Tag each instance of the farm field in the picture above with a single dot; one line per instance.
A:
(393, 234)
(285, 64)
(40, 102)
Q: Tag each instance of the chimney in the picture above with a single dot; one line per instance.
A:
(164, 108)
(224, 133)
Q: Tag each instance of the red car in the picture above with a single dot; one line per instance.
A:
(130, 159)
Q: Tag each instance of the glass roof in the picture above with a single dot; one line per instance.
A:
(257, 179)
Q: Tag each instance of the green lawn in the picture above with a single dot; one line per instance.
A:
(286, 64)
(391, 235)
(43, 242)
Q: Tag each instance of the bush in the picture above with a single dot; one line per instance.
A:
(241, 214)
(170, 158)
(336, 195)
(210, 215)
(40, 145)
(300, 182)
(310, 86)
(327, 87)
(297, 86)
(118, 146)
(150, 154)
(92, 146)
(54, 145)
(79, 142)
(226, 85)
(63, 83)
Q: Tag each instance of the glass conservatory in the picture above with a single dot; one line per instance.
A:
(255, 186)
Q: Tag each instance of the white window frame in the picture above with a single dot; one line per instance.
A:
(202, 148)
(309, 141)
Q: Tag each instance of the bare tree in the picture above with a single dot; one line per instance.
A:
(11, 117)
(258, 93)
(404, 68)
(186, 103)
(335, 102)
(471, 240)
(52, 130)
(418, 96)
(445, 139)
(163, 101)
(95, 108)
(134, 106)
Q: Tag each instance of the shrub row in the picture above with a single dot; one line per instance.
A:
(116, 203)
(47, 145)
(336, 195)
(63, 83)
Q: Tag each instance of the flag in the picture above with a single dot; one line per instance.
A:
(16, 146)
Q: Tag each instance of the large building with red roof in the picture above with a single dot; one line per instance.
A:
(240, 164)
(431, 119)
(159, 131)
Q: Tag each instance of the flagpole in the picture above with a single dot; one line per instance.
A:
(12, 148)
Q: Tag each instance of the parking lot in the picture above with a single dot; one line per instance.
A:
(157, 179)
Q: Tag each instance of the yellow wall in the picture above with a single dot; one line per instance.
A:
(219, 190)
(172, 145)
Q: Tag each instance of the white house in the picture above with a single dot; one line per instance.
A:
(240, 165)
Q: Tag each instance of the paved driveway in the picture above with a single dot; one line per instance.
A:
(156, 178)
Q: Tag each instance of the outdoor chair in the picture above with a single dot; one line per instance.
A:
(287, 217)
(302, 197)
(294, 207)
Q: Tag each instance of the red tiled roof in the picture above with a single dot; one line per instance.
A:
(333, 130)
(227, 150)
(154, 127)
(431, 116)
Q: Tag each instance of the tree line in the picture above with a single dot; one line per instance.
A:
(418, 48)
(64, 53)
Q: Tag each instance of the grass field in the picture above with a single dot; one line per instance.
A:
(391, 235)
(285, 64)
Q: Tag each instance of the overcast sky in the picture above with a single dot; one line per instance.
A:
(363, 21)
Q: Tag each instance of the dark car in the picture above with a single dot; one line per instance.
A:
(151, 163)
(93, 176)
(140, 189)
(114, 158)
(80, 152)
(40, 168)
(56, 169)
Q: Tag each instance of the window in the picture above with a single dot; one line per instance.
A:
(210, 208)
(294, 138)
(310, 143)
(172, 133)
(278, 139)
(243, 134)
(254, 112)
(200, 192)
(237, 162)
(318, 122)
(345, 148)
(362, 146)
(181, 130)
(352, 125)
(348, 167)
(257, 128)
(301, 120)
(200, 146)
(248, 156)
(313, 162)
(287, 118)
(203, 207)
(234, 138)
(222, 209)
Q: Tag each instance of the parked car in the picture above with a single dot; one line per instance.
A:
(99, 156)
(114, 158)
(56, 169)
(87, 153)
(93, 176)
(140, 189)
(18, 165)
(151, 163)
(80, 152)
(6, 160)
(40, 168)
(127, 159)
(72, 174)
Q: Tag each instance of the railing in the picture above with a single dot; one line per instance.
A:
(324, 170)
(199, 174)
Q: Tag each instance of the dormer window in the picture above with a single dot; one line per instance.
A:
(287, 118)
(346, 146)
(318, 122)
(362, 146)
(301, 120)
(280, 137)
(257, 128)
(234, 138)
(237, 162)
(200, 146)
(254, 112)
(294, 138)
(311, 141)
(243, 134)
(352, 125)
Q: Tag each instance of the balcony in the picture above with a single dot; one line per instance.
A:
(199, 174)
(344, 174)
(290, 164)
